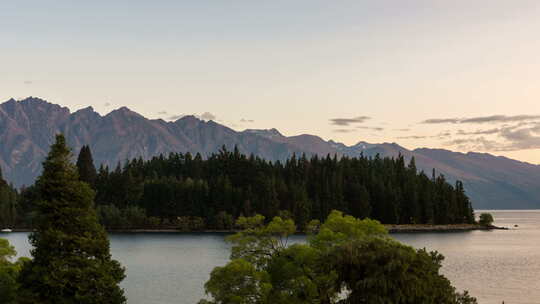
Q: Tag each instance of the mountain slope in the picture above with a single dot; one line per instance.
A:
(492, 182)
(27, 128)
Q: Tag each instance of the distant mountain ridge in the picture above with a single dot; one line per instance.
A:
(27, 128)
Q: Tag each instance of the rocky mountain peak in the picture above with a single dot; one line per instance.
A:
(123, 111)
(268, 133)
(88, 109)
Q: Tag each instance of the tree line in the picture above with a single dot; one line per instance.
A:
(189, 191)
(185, 191)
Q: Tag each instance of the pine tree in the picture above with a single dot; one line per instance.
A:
(8, 203)
(85, 166)
(71, 259)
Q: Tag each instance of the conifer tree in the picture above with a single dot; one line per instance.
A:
(1, 177)
(8, 203)
(71, 260)
(85, 166)
(386, 189)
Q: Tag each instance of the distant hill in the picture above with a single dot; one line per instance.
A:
(27, 128)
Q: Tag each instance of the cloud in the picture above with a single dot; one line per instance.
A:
(371, 128)
(348, 121)
(107, 104)
(522, 139)
(162, 112)
(475, 144)
(208, 116)
(441, 121)
(28, 82)
(413, 137)
(512, 133)
(344, 130)
(442, 135)
(501, 118)
(483, 119)
(508, 138)
(247, 120)
(479, 132)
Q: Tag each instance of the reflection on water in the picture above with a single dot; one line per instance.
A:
(493, 265)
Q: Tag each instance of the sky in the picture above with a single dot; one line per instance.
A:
(460, 75)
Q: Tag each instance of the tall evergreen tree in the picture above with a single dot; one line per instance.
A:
(85, 166)
(8, 203)
(71, 259)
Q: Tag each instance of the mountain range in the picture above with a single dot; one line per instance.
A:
(27, 128)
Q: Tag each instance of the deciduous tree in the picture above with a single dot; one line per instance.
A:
(8, 272)
(346, 260)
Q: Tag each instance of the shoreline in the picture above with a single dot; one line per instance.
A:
(440, 228)
(420, 228)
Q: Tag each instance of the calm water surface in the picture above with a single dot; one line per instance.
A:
(493, 265)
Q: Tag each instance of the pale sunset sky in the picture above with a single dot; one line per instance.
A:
(461, 75)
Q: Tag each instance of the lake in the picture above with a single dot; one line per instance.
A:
(495, 266)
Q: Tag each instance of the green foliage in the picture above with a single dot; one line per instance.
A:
(27, 206)
(190, 223)
(8, 204)
(385, 271)
(258, 242)
(134, 216)
(71, 259)
(224, 221)
(346, 260)
(8, 272)
(111, 217)
(297, 276)
(340, 229)
(229, 183)
(85, 166)
(486, 219)
(7, 252)
(239, 282)
(465, 298)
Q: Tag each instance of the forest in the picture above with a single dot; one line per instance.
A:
(345, 259)
(187, 192)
